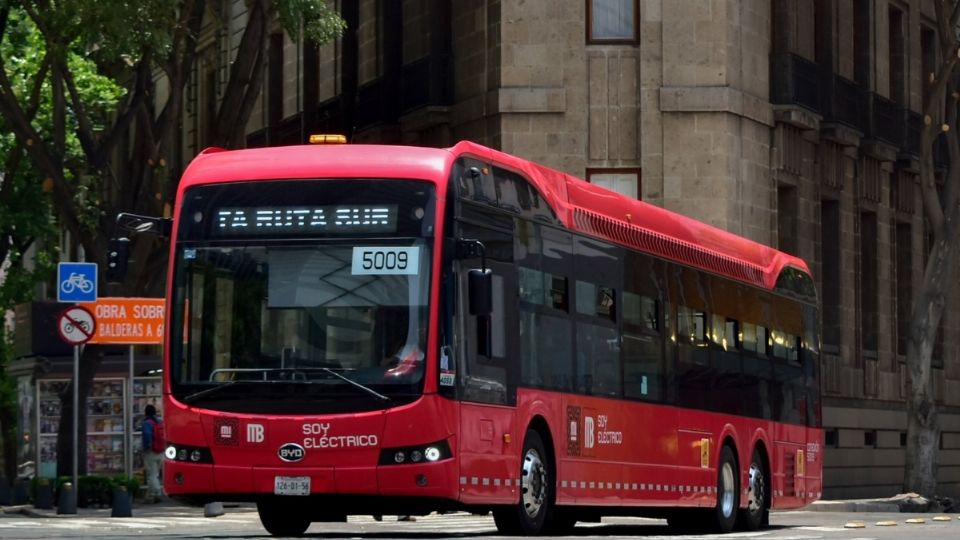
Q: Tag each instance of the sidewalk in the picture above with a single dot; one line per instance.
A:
(167, 507)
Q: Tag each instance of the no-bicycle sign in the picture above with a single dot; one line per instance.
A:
(128, 321)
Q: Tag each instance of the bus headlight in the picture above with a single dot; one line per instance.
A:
(189, 454)
(416, 454)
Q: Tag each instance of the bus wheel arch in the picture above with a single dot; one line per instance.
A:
(756, 513)
(533, 512)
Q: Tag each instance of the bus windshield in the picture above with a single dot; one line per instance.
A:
(302, 298)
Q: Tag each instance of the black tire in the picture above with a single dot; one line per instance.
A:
(728, 492)
(534, 511)
(757, 512)
(562, 521)
(686, 521)
(283, 519)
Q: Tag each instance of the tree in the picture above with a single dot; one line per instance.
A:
(21, 201)
(128, 146)
(942, 211)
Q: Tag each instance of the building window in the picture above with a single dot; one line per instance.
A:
(904, 271)
(861, 42)
(612, 21)
(897, 60)
(928, 54)
(868, 282)
(623, 181)
(787, 219)
(830, 272)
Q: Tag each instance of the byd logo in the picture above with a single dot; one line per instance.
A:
(291, 452)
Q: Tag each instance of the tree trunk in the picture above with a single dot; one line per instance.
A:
(923, 429)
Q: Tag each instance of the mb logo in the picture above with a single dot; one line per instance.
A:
(254, 433)
(588, 432)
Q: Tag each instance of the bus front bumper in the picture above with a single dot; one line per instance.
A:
(230, 482)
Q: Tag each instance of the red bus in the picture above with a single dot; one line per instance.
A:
(380, 329)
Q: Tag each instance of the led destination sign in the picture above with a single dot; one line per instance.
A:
(284, 220)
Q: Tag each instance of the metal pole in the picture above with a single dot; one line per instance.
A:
(129, 422)
(76, 417)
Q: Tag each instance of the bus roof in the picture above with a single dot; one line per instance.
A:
(627, 221)
(581, 206)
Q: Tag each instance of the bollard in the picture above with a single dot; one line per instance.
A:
(6, 494)
(122, 506)
(214, 509)
(21, 491)
(44, 496)
(67, 502)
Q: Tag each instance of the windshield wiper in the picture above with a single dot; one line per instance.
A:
(207, 391)
(366, 389)
(293, 371)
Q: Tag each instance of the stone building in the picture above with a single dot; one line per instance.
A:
(792, 122)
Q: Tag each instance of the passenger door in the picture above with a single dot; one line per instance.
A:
(488, 368)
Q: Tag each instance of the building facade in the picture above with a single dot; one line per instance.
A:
(792, 122)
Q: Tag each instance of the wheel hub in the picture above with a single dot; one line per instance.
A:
(755, 492)
(534, 483)
(727, 494)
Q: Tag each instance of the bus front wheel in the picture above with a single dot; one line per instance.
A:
(728, 492)
(283, 519)
(530, 516)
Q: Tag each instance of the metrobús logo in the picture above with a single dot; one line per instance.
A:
(319, 435)
(291, 452)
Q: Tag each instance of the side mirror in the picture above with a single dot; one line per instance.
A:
(118, 252)
(480, 291)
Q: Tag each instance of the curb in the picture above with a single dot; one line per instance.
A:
(854, 506)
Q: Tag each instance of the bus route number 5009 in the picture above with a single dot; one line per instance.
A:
(385, 260)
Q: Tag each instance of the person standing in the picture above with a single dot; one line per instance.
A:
(153, 448)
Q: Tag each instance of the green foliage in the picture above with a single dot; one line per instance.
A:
(318, 22)
(96, 490)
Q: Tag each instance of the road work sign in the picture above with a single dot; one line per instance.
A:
(128, 321)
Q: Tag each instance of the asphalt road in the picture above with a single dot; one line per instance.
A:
(189, 523)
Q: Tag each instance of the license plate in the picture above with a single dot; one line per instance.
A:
(291, 485)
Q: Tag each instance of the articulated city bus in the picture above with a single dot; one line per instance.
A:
(396, 330)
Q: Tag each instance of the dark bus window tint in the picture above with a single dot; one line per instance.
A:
(517, 195)
(545, 346)
(725, 332)
(557, 296)
(595, 301)
(810, 349)
(531, 285)
(598, 360)
(749, 337)
(643, 366)
(542, 288)
(757, 373)
(513, 193)
(691, 326)
(586, 293)
(640, 312)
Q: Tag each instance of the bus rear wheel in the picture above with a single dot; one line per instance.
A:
(283, 519)
(532, 513)
(728, 492)
(756, 514)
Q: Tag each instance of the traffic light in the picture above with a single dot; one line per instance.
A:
(118, 251)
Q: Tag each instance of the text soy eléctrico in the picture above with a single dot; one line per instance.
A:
(317, 435)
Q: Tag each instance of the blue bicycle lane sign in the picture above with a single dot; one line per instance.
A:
(76, 282)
